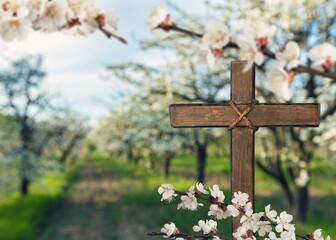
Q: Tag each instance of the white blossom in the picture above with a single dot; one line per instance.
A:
(191, 190)
(242, 234)
(169, 229)
(259, 32)
(216, 36)
(206, 226)
(288, 235)
(290, 56)
(159, 22)
(272, 236)
(252, 53)
(34, 7)
(250, 220)
(264, 227)
(15, 28)
(279, 82)
(200, 188)
(167, 192)
(189, 202)
(217, 194)
(323, 56)
(13, 9)
(283, 222)
(240, 198)
(218, 212)
(317, 235)
(53, 15)
(271, 214)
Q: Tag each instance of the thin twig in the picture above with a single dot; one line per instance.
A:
(109, 35)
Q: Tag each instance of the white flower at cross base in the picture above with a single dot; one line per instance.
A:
(159, 22)
(259, 32)
(217, 194)
(272, 236)
(216, 36)
(242, 234)
(53, 16)
(251, 53)
(170, 229)
(283, 222)
(208, 226)
(264, 227)
(279, 81)
(218, 212)
(271, 214)
(323, 56)
(288, 235)
(167, 192)
(250, 220)
(189, 202)
(240, 200)
(290, 56)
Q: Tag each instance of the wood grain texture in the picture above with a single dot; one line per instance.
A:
(242, 139)
(263, 115)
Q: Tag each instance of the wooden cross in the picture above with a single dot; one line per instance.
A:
(243, 115)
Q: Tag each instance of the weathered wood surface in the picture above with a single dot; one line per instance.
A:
(262, 115)
(242, 136)
(242, 139)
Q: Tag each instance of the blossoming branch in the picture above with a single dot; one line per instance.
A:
(18, 18)
(260, 223)
(254, 42)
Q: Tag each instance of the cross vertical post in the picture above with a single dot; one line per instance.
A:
(242, 139)
(243, 115)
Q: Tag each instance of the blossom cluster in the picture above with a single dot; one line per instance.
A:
(18, 18)
(259, 223)
(254, 40)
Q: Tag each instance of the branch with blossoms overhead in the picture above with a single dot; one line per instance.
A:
(18, 18)
(268, 225)
(253, 41)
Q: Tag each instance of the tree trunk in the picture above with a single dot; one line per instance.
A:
(201, 160)
(302, 203)
(26, 137)
(129, 155)
(166, 165)
(24, 186)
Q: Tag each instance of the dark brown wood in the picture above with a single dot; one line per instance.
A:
(242, 137)
(263, 115)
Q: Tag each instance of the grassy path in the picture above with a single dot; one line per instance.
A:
(112, 200)
(85, 213)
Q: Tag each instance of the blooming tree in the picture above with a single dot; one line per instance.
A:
(18, 18)
(268, 224)
(296, 57)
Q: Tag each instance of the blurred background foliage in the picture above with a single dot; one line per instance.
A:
(60, 179)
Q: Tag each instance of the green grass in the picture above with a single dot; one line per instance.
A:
(137, 209)
(20, 217)
(143, 203)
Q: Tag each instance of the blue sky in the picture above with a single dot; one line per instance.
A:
(75, 65)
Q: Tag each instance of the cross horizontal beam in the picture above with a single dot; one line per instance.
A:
(262, 115)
